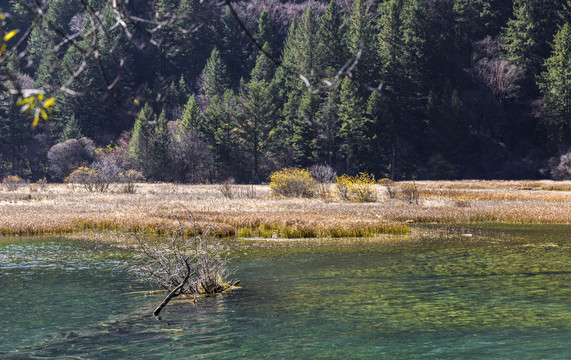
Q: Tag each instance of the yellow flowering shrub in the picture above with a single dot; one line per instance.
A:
(292, 182)
(359, 188)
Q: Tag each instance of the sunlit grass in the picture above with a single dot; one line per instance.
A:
(162, 209)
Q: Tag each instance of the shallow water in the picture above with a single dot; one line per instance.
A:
(501, 293)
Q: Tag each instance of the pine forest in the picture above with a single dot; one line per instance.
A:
(195, 91)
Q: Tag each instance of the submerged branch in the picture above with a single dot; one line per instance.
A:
(176, 291)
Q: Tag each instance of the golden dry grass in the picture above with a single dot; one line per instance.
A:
(164, 208)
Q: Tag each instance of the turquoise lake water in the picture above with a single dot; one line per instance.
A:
(502, 293)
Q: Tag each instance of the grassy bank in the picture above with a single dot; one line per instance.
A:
(164, 208)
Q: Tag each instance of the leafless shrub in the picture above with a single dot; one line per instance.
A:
(92, 179)
(496, 74)
(562, 170)
(462, 203)
(65, 157)
(410, 193)
(192, 266)
(42, 184)
(248, 192)
(129, 179)
(389, 186)
(324, 175)
(191, 157)
(227, 188)
(281, 14)
(13, 182)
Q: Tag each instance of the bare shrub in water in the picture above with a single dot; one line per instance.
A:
(193, 266)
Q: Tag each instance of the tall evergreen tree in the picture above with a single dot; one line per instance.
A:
(304, 129)
(354, 129)
(331, 41)
(254, 129)
(361, 38)
(216, 80)
(159, 149)
(382, 134)
(300, 49)
(236, 49)
(403, 43)
(72, 130)
(191, 117)
(527, 35)
(555, 85)
(264, 68)
(327, 125)
(140, 144)
(266, 33)
(218, 128)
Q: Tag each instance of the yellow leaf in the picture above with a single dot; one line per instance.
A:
(10, 35)
(3, 49)
(49, 102)
(2, 17)
(24, 101)
(44, 114)
(35, 123)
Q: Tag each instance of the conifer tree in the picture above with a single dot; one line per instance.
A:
(382, 127)
(236, 49)
(403, 43)
(450, 127)
(216, 80)
(191, 117)
(353, 129)
(218, 128)
(555, 85)
(265, 33)
(254, 129)
(327, 124)
(527, 35)
(331, 41)
(140, 144)
(72, 130)
(196, 38)
(300, 52)
(159, 149)
(264, 68)
(304, 129)
(361, 38)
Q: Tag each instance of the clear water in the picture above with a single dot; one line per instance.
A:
(503, 293)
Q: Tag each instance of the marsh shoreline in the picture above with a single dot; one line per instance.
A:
(163, 209)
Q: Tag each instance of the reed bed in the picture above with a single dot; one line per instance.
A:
(162, 209)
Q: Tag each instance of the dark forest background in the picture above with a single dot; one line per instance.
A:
(470, 89)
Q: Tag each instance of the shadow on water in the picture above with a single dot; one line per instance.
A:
(502, 292)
